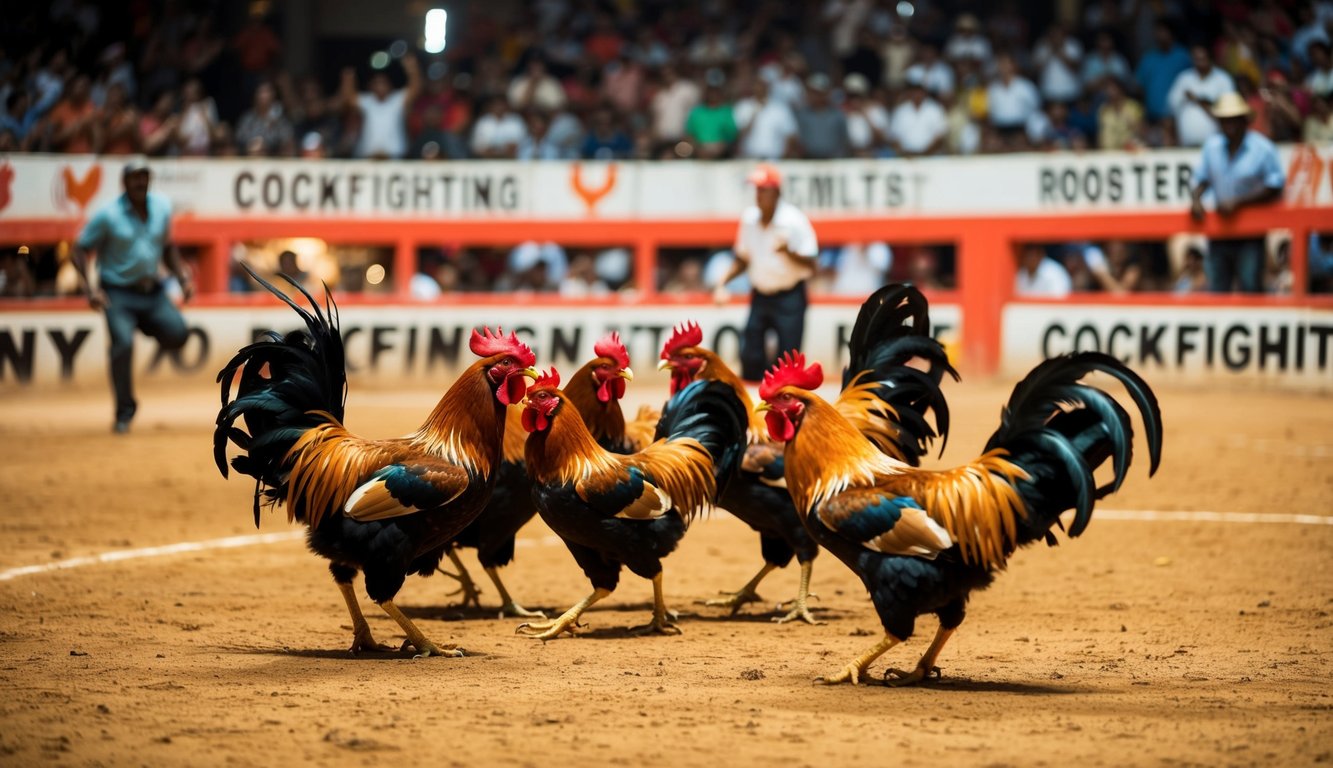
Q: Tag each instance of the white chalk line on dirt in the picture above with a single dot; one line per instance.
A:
(233, 542)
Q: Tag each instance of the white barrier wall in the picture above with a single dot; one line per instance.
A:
(425, 343)
(1290, 347)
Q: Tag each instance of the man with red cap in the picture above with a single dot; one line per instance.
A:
(776, 246)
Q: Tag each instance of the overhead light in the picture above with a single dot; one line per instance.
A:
(436, 21)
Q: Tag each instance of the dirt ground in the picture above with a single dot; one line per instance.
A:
(1145, 642)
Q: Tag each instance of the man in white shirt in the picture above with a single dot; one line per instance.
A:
(967, 41)
(1041, 276)
(919, 125)
(499, 131)
(867, 121)
(671, 106)
(1057, 59)
(383, 110)
(536, 89)
(1011, 100)
(767, 126)
(1192, 96)
(776, 247)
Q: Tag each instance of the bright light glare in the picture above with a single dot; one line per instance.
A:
(436, 20)
(375, 274)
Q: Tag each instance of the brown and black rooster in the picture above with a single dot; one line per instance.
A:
(922, 541)
(383, 507)
(629, 510)
(595, 390)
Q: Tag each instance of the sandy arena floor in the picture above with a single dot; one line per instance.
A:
(1146, 642)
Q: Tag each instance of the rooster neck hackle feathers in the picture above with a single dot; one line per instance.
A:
(566, 452)
(467, 426)
(828, 455)
(604, 420)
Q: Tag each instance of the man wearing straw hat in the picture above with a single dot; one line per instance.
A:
(1241, 168)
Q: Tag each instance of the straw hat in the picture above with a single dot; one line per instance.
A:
(1230, 105)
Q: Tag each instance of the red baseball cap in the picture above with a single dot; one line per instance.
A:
(765, 175)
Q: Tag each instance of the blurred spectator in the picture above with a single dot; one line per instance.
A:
(1119, 120)
(19, 118)
(786, 79)
(1274, 113)
(868, 123)
(605, 42)
(1192, 277)
(290, 265)
(647, 49)
(1072, 258)
(432, 142)
(198, 117)
(1040, 276)
(821, 127)
(713, 47)
(967, 41)
(719, 265)
(923, 270)
(257, 47)
(1158, 69)
(120, 124)
(530, 255)
(265, 129)
(861, 268)
(1321, 262)
(499, 131)
(16, 278)
(1012, 100)
(900, 53)
(605, 140)
(1104, 64)
(865, 58)
(383, 109)
(711, 126)
(536, 89)
(1057, 60)
(315, 117)
(1051, 129)
(1007, 26)
(919, 125)
(1192, 96)
(1312, 30)
(670, 107)
(622, 83)
(74, 125)
(767, 127)
(933, 72)
(1320, 79)
(1318, 126)
(581, 281)
(688, 278)
(116, 69)
(537, 144)
(1117, 269)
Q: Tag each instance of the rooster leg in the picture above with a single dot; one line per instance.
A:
(362, 639)
(466, 586)
(566, 622)
(924, 668)
(746, 594)
(661, 623)
(507, 605)
(853, 671)
(424, 647)
(799, 610)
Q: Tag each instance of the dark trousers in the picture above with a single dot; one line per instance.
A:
(1230, 261)
(782, 312)
(151, 312)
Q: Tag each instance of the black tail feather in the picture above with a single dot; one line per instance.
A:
(1061, 430)
(286, 384)
(891, 330)
(710, 412)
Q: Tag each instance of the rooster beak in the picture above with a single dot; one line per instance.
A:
(531, 373)
(626, 374)
(763, 407)
(664, 365)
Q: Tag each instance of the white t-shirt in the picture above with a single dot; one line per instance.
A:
(773, 123)
(670, 107)
(862, 124)
(1051, 280)
(769, 270)
(491, 132)
(383, 125)
(1193, 123)
(937, 78)
(861, 268)
(1059, 81)
(1011, 105)
(916, 128)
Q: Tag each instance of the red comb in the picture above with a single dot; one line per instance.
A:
(486, 344)
(547, 379)
(790, 370)
(687, 334)
(610, 346)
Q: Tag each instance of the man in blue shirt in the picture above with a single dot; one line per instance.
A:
(132, 236)
(1241, 168)
(1157, 71)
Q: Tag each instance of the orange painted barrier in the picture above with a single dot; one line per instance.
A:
(985, 253)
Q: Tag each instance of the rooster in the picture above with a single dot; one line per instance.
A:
(893, 412)
(384, 507)
(922, 540)
(595, 390)
(615, 510)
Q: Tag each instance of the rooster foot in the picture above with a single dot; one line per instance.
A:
(849, 674)
(733, 600)
(364, 642)
(658, 626)
(466, 587)
(426, 649)
(800, 611)
(897, 678)
(549, 630)
(513, 610)
(796, 601)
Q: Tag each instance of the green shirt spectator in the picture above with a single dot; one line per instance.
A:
(711, 126)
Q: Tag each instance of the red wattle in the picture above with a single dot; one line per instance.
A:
(780, 427)
(533, 420)
(513, 389)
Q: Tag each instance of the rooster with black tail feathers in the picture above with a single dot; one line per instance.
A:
(383, 507)
(922, 541)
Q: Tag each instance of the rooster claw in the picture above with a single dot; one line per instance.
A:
(366, 644)
(733, 600)
(428, 649)
(656, 627)
(902, 678)
(848, 674)
(799, 612)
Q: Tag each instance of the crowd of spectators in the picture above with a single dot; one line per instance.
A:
(658, 79)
